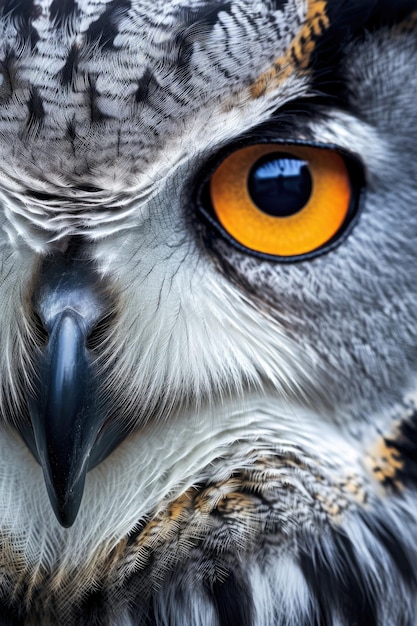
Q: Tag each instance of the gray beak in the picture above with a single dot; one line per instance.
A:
(70, 430)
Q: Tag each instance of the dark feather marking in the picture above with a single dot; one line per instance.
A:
(197, 23)
(72, 134)
(207, 14)
(96, 115)
(62, 10)
(278, 5)
(8, 71)
(35, 108)
(22, 9)
(136, 532)
(8, 616)
(150, 617)
(138, 592)
(71, 131)
(105, 29)
(339, 585)
(404, 568)
(92, 609)
(142, 611)
(23, 12)
(404, 446)
(233, 601)
(146, 85)
(70, 67)
(354, 15)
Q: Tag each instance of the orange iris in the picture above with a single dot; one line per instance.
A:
(317, 216)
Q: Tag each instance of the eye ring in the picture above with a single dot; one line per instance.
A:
(334, 172)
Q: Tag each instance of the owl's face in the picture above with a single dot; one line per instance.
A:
(208, 283)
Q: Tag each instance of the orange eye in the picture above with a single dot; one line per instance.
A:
(282, 200)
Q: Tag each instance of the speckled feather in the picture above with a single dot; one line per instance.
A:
(89, 95)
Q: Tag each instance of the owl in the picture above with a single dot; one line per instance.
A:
(208, 313)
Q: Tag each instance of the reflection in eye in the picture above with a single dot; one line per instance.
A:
(279, 184)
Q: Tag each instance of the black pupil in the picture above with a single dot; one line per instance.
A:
(280, 184)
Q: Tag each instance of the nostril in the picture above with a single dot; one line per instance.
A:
(40, 332)
(67, 284)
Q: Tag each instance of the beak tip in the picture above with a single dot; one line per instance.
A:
(65, 518)
(65, 501)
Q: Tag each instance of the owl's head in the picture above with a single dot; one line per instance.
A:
(208, 234)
